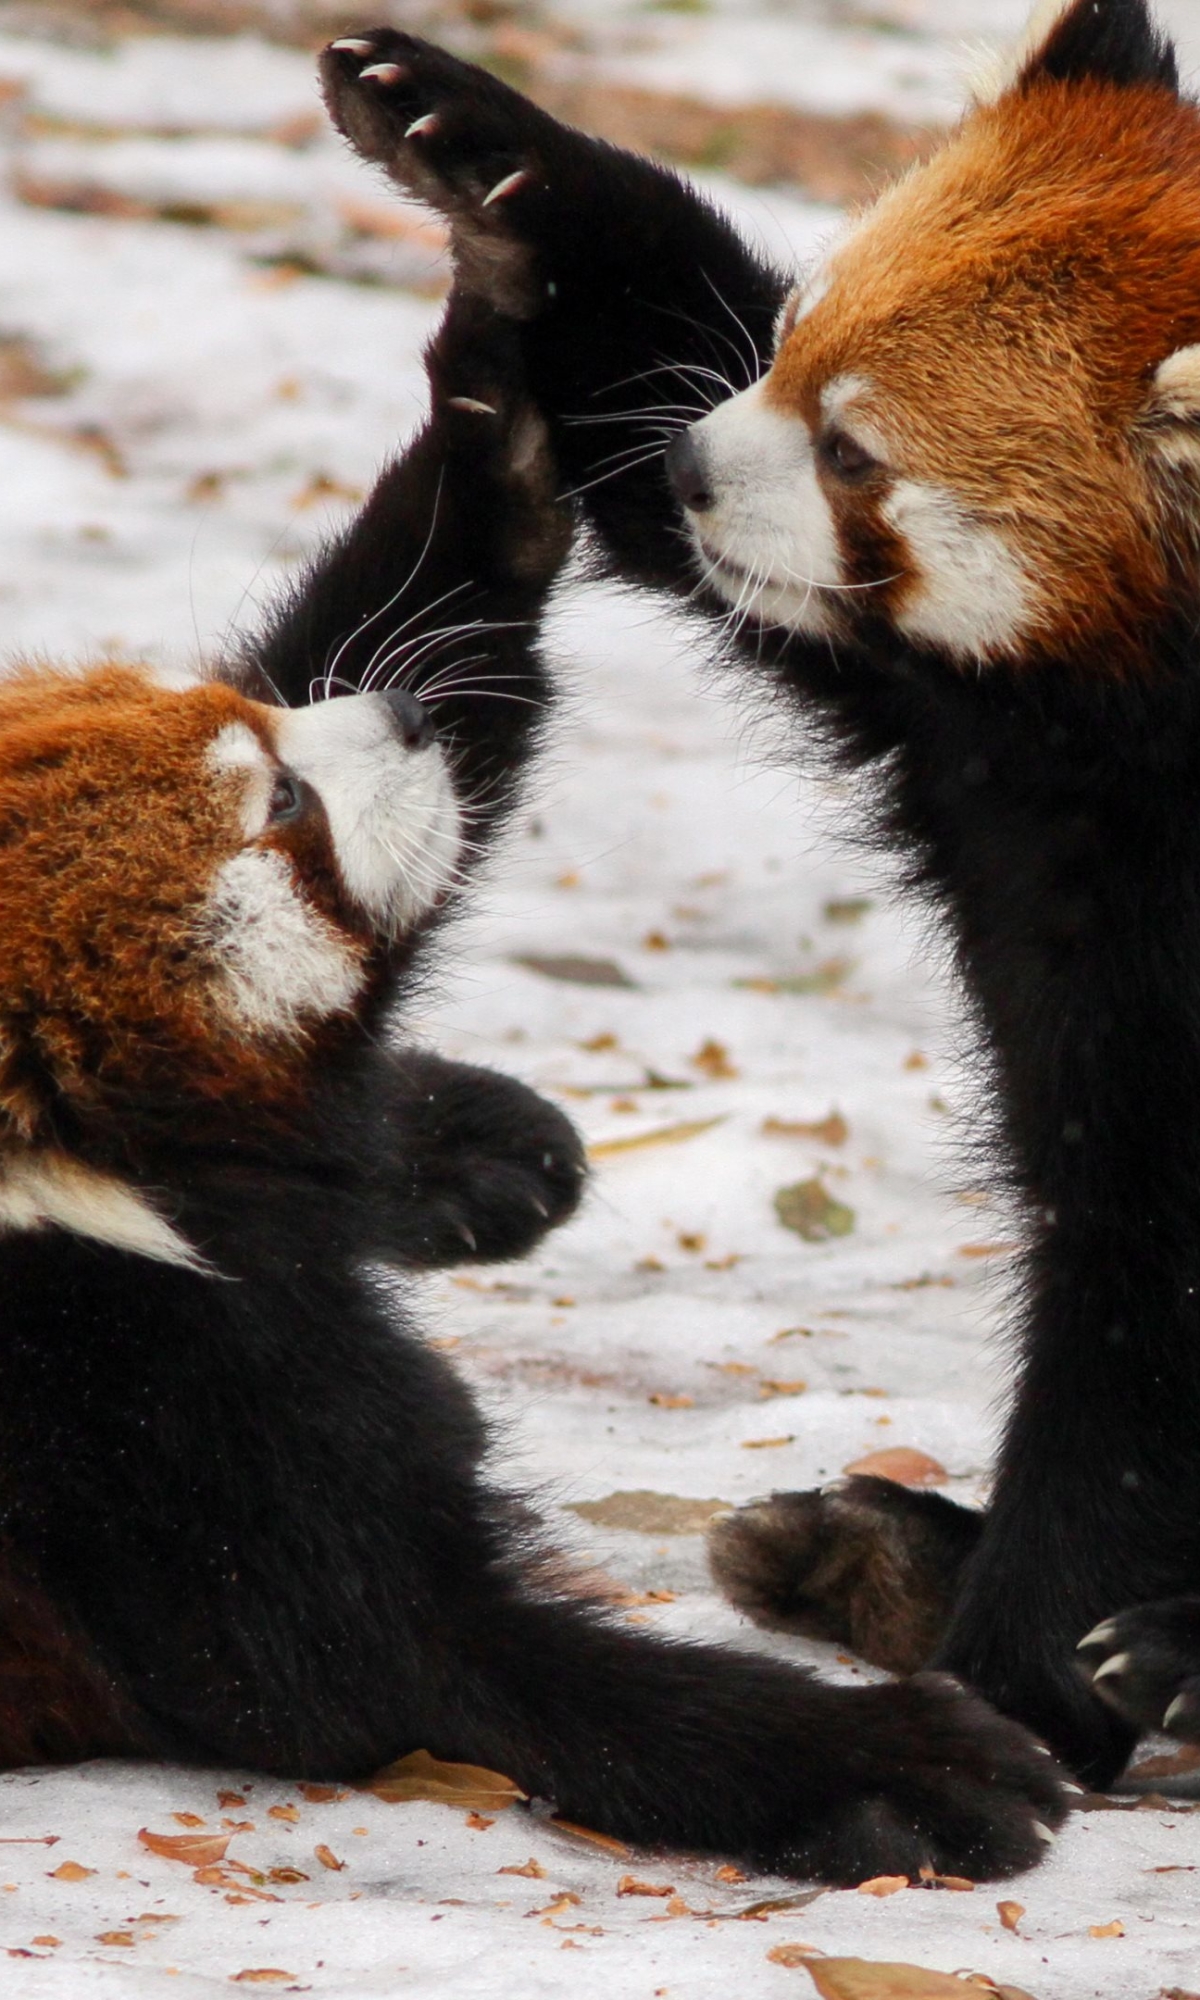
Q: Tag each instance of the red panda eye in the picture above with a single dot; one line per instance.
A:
(845, 457)
(287, 800)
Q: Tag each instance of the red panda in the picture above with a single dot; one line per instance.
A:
(950, 511)
(244, 1515)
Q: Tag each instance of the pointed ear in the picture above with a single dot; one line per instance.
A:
(1068, 41)
(1170, 422)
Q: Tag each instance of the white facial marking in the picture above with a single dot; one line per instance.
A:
(39, 1191)
(393, 814)
(279, 962)
(996, 71)
(971, 595)
(1174, 408)
(806, 293)
(237, 749)
(769, 536)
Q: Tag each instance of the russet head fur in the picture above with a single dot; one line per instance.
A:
(982, 423)
(195, 888)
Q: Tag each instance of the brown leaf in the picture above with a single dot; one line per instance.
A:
(48, 1940)
(531, 1868)
(228, 1800)
(1114, 1929)
(729, 1872)
(808, 1209)
(564, 1901)
(768, 1444)
(831, 1131)
(327, 1857)
(188, 1819)
(286, 1875)
(320, 1795)
(713, 1059)
(792, 1954)
(605, 1840)
(289, 1813)
(574, 969)
(987, 1249)
(662, 1135)
(846, 909)
(115, 1937)
(71, 1871)
(647, 1513)
(1010, 1914)
(901, 1464)
(771, 1386)
(883, 1885)
(195, 1850)
(629, 1885)
(869, 1979)
(665, 1400)
(263, 1975)
(422, 1777)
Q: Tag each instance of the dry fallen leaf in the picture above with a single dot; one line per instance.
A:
(662, 1135)
(792, 1954)
(327, 1857)
(1115, 1929)
(901, 1464)
(831, 1131)
(422, 1777)
(605, 1840)
(531, 1868)
(574, 969)
(713, 1059)
(666, 1401)
(263, 1975)
(318, 1795)
(228, 1800)
(868, 1979)
(629, 1885)
(808, 1209)
(768, 1444)
(648, 1513)
(188, 1819)
(883, 1885)
(195, 1850)
(48, 1940)
(286, 1875)
(1010, 1914)
(289, 1813)
(115, 1937)
(564, 1901)
(730, 1872)
(771, 1386)
(71, 1871)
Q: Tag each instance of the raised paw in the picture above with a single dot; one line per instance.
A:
(456, 138)
(865, 1563)
(958, 1788)
(1145, 1664)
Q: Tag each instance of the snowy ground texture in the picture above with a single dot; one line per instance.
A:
(182, 410)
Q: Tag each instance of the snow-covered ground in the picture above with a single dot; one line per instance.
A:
(205, 409)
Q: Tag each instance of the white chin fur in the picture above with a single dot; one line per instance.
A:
(768, 540)
(279, 963)
(971, 598)
(395, 820)
(47, 1190)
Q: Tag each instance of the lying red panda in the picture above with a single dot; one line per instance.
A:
(957, 514)
(243, 1515)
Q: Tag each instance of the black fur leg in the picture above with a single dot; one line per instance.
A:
(1146, 1664)
(638, 306)
(867, 1563)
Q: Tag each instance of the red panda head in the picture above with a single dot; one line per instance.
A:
(982, 422)
(194, 887)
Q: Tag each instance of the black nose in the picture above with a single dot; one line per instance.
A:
(687, 473)
(414, 723)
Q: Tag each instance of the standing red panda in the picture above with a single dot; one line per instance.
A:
(958, 517)
(244, 1517)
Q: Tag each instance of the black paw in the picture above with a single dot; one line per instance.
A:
(960, 1789)
(1145, 1663)
(454, 137)
(866, 1563)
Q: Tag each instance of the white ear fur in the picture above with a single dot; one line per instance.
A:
(995, 71)
(1171, 418)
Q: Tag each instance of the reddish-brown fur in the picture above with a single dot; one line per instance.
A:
(1010, 301)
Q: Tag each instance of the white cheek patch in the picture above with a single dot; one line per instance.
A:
(41, 1191)
(970, 595)
(237, 750)
(769, 537)
(279, 963)
(392, 811)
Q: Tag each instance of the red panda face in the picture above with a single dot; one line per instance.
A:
(982, 422)
(194, 885)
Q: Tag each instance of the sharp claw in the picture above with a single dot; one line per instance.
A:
(539, 1207)
(1178, 1708)
(1044, 1833)
(1116, 1665)
(471, 404)
(1100, 1635)
(507, 186)
(468, 1235)
(425, 124)
(382, 73)
(1074, 1791)
(351, 45)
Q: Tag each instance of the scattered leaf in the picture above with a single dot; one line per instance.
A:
(286, 1875)
(327, 1857)
(902, 1465)
(987, 1249)
(831, 1131)
(48, 1940)
(826, 978)
(1010, 1914)
(808, 1208)
(605, 1840)
(71, 1871)
(730, 1872)
(930, 1879)
(228, 1800)
(289, 1813)
(574, 969)
(870, 1979)
(883, 1885)
(630, 1885)
(115, 1937)
(768, 1444)
(662, 1135)
(666, 1401)
(422, 1777)
(531, 1868)
(772, 1386)
(320, 1795)
(846, 909)
(792, 1954)
(1115, 1929)
(647, 1513)
(195, 1850)
(712, 1058)
(188, 1819)
(263, 1975)
(564, 1901)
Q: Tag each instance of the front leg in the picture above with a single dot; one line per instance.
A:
(466, 1166)
(1145, 1664)
(640, 306)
